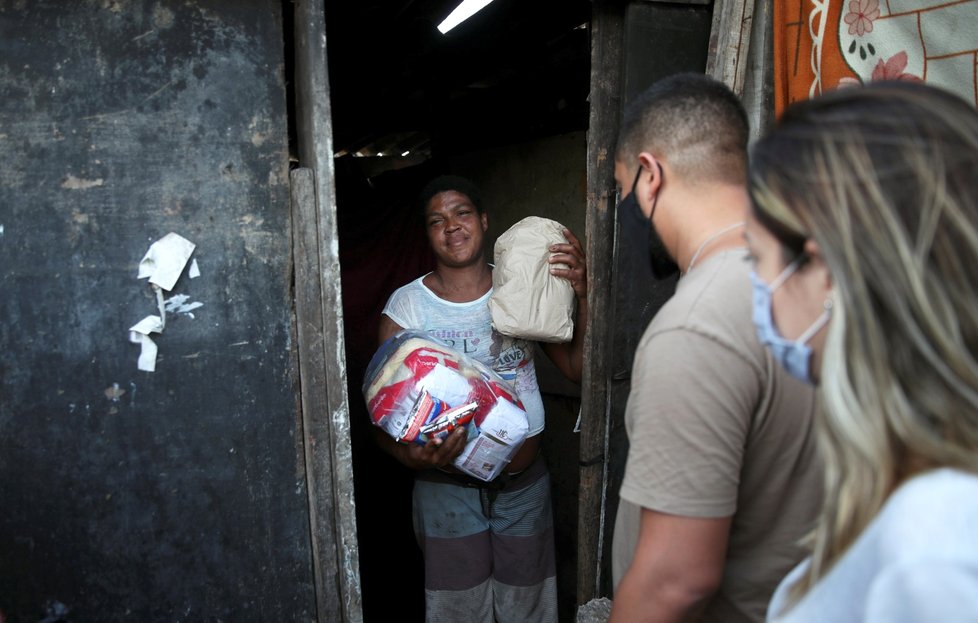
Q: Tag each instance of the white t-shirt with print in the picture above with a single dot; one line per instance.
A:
(468, 328)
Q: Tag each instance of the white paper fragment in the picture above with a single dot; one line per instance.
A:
(139, 334)
(177, 304)
(165, 260)
(147, 353)
(160, 306)
(149, 324)
(163, 264)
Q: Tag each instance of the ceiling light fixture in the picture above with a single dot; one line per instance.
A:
(462, 12)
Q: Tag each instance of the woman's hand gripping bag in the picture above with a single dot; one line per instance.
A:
(527, 301)
(418, 387)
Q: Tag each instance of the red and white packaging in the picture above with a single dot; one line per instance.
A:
(418, 387)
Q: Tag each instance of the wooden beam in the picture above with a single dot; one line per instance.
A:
(329, 465)
(759, 83)
(729, 46)
(312, 392)
(607, 25)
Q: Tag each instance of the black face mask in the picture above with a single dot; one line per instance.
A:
(641, 242)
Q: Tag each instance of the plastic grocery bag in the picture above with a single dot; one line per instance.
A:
(418, 387)
(527, 301)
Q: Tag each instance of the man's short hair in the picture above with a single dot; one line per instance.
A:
(693, 121)
(445, 183)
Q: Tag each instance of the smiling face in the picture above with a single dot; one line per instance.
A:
(456, 229)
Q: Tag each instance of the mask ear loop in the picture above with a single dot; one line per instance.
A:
(638, 174)
(820, 322)
(788, 271)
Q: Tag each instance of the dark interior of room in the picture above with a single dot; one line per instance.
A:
(405, 99)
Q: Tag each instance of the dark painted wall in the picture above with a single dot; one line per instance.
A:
(170, 495)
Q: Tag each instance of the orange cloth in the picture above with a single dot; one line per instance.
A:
(820, 45)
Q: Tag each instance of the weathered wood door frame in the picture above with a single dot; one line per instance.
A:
(319, 321)
(607, 18)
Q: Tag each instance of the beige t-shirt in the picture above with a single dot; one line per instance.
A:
(717, 429)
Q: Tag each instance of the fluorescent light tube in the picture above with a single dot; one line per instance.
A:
(462, 12)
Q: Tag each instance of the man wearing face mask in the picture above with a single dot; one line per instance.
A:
(722, 481)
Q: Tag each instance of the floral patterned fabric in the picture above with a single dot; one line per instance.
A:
(820, 45)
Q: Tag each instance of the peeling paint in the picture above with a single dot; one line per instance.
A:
(278, 176)
(249, 219)
(177, 304)
(116, 6)
(74, 183)
(114, 393)
(163, 17)
(258, 135)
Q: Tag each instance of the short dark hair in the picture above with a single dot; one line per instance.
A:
(692, 119)
(444, 183)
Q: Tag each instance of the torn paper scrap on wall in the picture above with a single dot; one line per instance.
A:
(163, 264)
(165, 260)
(139, 334)
(177, 304)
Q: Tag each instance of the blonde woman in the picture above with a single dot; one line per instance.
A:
(864, 238)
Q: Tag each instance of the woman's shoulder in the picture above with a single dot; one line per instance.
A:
(932, 514)
(409, 290)
(938, 486)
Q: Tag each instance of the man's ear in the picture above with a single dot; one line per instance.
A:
(649, 163)
(485, 221)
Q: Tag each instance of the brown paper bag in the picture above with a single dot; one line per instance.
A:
(527, 301)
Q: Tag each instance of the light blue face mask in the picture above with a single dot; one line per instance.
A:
(795, 356)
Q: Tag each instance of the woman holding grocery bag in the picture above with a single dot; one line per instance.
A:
(488, 546)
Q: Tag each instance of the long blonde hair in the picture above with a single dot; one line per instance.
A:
(885, 179)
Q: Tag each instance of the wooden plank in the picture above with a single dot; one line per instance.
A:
(607, 23)
(759, 83)
(312, 392)
(730, 42)
(331, 491)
